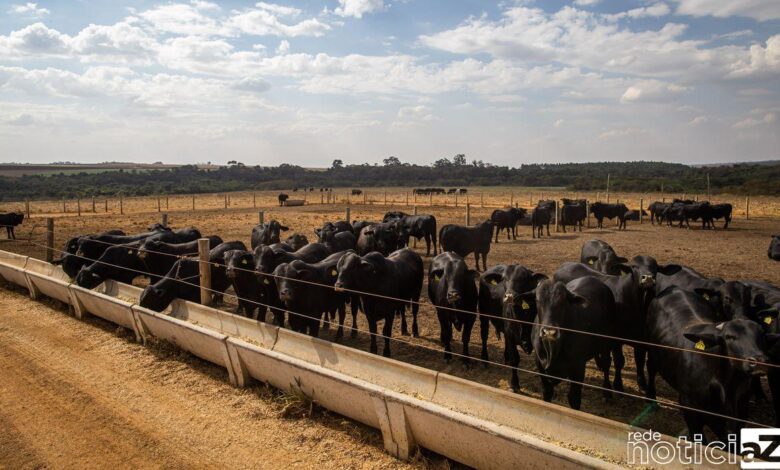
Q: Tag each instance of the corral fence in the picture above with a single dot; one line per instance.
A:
(491, 198)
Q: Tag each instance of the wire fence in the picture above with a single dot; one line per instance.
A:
(186, 281)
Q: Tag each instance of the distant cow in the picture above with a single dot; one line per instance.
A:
(774, 248)
(399, 276)
(283, 198)
(267, 233)
(573, 212)
(417, 226)
(656, 211)
(357, 192)
(541, 217)
(563, 311)
(507, 220)
(602, 210)
(685, 212)
(721, 211)
(465, 240)
(10, 221)
(451, 285)
(633, 215)
(335, 227)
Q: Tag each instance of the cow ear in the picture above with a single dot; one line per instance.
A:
(669, 269)
(527, 300)
(436, 274)
(366, 266)
(492, 279)
(591, 260)
(767, 316)
(538, 277)
(575, 299)
(620, 270)
(707, 294)
(317, 231)
(703, 335)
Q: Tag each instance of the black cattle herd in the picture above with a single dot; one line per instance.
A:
(585, 310)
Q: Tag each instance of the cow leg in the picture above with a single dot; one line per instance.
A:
(512, 359)
(445, 335)
(575, 386)
(756, 390)
(402, 313)
(651, 371)
(433, 238)
(415, 309)
(563, 226)
(508, 234)
(484, 331)
(373, 332)
(639, 359)
(548, 388)
(342, 314)
(278, 317)
(548, 229)
(484, 262)
(694, 422)
(620, 361)
(427, 244)
(773, 377)
(466, 338)
(354, 307)
(386, 332)
(497, 230)
(314, 327)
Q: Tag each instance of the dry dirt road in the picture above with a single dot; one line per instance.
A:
(78, 395)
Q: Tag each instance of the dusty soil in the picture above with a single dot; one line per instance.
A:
(84, 394)
(738, 253)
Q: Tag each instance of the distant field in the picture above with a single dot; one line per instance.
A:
(17, 170)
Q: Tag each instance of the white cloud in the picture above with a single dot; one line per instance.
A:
(181, 18)
(653, 11)
(755, 121)
(279, 10)
(28, 9)
(698, 120)
(652, 91)
(358, 8)
(35, 39)
(265, 22)
(284, 47)
(559, 122)
(762, 61)
(620, 133)
(761, 10)
(586, 3)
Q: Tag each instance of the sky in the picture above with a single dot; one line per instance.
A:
(310, 81)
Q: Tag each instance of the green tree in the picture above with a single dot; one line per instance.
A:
(337, 163)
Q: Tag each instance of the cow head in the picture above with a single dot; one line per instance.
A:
(648, 268)
(155, 299)
(237, 261)
(555, 304)
(740, 339)
(355, 271)
(297, 241)
(451, 278)
(88, 279)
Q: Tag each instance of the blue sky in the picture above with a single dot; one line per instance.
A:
(305, 82)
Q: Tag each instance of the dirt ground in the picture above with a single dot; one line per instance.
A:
(736, 253)
(83, 395)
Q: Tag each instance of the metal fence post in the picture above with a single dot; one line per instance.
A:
(49, 239)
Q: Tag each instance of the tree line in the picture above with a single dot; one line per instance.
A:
(642, 176)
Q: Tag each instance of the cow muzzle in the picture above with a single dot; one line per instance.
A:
(757, 365)
(453, 296)
(509, 298)
(549, 334)
(338, 287)
(647, 281)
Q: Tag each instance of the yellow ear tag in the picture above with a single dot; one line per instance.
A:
(624, 273)
(436, 277)
(590, 261)
(493, 282)
(333, 272)
(700, 345)
(706, 296)
(243, 261)
(525, 305)
(129, 252)
(265, 281)
(768, 320)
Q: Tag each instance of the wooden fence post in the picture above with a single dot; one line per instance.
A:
(414, 243)
(78, 206)
(385, 197)
(365, 197)
(193, 202)
(49, 239)
(556, 216)
(407, 198)
(121, 205)
(587, 212)
(226, 201)
(205, 271)
(64, 211)
(159, 207)
(456, 199)
(261, 217)
(164, 220)
(27, 207)
(106, 204)
(511, 199)
(430, 199)
(93, 205)
(468, 214)
(347, 214)
(641, 210)
(166, 203)
(747, 207)
(482, 199)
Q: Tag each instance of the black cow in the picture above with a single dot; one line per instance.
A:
(417, 226)
(680, 319)
(774, 248)
(308, 300)
(541, 217)
(566, 313)
(357, 192)
(297, 241)
(688, 279)
(72, 245)
(685, 212)
(158, 256)
(358, 225)
(240, 271)
(90, 247)
(267, 259)
(183, 280)
(384, 238)
(451, 286)
(336, 227)
(464, 240)
(122, 262)
(573, 212)
(399, 276)
(602, 210)
(657, 209)
(500, 304)
(721, 211)
(600, 256)
(507, 220)
(337, 241)
(10, 221)
(267, 233)
(634, 215)
(283, 198)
